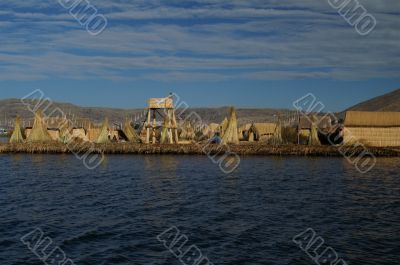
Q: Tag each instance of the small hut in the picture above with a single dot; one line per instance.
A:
(313, 138)
(64, 128)
(243, 130)
(223, 126)
(39, 131)
(17, 136)
(277, 135)
(260, 132)
(80, 133)
(104, 136)
(378, 129)
(130, 133)
(210, 130)
(187, 131)
(230, 135)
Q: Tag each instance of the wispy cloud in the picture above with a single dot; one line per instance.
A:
(197, 40)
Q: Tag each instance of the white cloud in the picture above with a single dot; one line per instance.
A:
(216, 40)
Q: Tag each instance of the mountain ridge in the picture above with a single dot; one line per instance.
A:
(10, 108)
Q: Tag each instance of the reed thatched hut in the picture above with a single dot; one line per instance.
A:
(305, 124)
(277, 136)
(105, 133)
(80, 133)
(378, 129)
(313, 138)
(210, 130)
(39, 131)
(17, 136)
(231, 135)
(130, 133)
(260, 132)
(187, 131)
(242, 131)
(223, 126)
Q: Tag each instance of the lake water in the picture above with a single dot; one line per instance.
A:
(113, 214)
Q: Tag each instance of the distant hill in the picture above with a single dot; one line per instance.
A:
(11, 107)
(387, 102)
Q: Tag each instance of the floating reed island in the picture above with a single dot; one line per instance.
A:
(251, 149)
(161, 133)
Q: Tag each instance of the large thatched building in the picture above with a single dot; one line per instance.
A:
(380, 129)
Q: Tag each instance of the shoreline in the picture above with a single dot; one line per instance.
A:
(197, 149)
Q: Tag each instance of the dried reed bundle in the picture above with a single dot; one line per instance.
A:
(104, 133)
(17, 136)
(231, 133)
(39, 131)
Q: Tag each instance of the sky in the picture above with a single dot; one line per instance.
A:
(247, 53)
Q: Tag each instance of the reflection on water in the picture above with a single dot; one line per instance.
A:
(113, 214)
(163, 163)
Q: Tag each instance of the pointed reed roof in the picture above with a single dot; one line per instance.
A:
(39, 131)
(104, 133)
(231, 135)
(130, 132)
(17, 136)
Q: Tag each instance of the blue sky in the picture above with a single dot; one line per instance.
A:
(253, 53)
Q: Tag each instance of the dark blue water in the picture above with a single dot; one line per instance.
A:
(112, 215)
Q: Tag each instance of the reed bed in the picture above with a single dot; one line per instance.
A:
(191, 149)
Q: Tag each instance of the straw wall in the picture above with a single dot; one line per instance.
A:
(54, 134)
(80, 134)
(372, 119)
(377, 137)
(93, 134)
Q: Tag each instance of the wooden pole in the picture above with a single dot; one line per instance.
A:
(154, 128)
(298, 128)
(148, 126)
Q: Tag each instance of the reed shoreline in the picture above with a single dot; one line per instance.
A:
(196, 149)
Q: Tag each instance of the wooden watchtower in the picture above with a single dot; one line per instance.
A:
(165, 108)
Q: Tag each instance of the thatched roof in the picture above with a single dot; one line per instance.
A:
(130, 133)
(223, 126)
(277, 137)
(103, 137)
(39, 131)
(265, 128)
(17, 136)
(187, 131)
(231, 134)
(245, 127)
(313, 138)
(372, 119)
